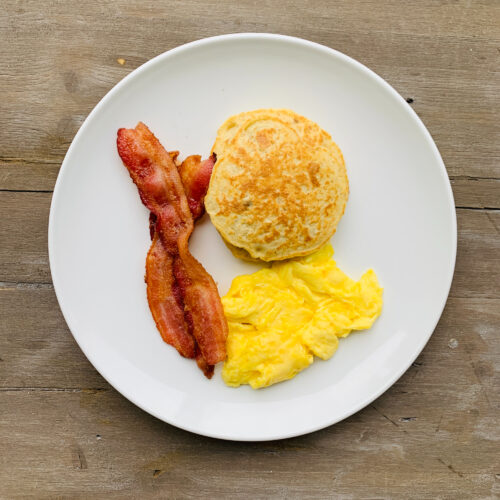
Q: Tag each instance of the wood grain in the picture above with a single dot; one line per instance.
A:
(416, 439)
(64, 432)
(36, 347)
(65, 59)
(23, 233)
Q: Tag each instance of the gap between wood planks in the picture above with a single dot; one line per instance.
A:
(26, 190)
(493, 209)
(92, 390)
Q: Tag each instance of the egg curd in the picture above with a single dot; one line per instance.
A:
(282, 316)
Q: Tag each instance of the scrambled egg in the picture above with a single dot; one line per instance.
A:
(282, 316)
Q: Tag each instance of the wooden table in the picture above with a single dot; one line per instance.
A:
(65, 432)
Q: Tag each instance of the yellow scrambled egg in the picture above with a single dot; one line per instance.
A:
(282, 316)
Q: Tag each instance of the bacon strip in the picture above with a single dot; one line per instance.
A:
(188, 288)
(166, 306)
(195, 176)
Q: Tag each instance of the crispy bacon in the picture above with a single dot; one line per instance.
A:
(165, 304)
(177, 283)
(208, 370)
(195, 176)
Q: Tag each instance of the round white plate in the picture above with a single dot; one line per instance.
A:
(400, 220)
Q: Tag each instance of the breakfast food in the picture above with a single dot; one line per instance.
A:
(275, 187)
(282, 316)
(279, 185)
(195, 176)
(182, 296)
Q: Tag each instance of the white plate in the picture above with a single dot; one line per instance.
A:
(400, 220)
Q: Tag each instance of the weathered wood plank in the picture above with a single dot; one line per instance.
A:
(434, 431)
(17, 174)
(23, 233)
(448, 396)
(476, 192)
(61, 70)
(24, 254)
(88, 449)
(36, 347)
(478, 255)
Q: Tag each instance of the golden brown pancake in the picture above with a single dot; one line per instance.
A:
(279, 186)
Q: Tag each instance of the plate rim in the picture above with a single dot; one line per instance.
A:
(304, 429)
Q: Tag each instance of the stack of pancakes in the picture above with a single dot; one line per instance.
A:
(279, 186)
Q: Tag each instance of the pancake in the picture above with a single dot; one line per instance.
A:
(279, 186)
(239, 253)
